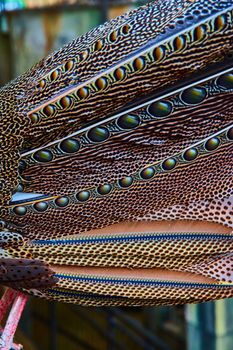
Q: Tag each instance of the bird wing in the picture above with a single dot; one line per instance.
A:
(128, 125)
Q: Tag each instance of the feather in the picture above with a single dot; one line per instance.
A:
(122, 142)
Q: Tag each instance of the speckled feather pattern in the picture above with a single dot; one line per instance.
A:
(131, 122)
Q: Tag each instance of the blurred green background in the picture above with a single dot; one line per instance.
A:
(29, 30)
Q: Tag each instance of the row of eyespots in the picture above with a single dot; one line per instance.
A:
(81, 197)
(159, 109)
(196, 13)
(64, 68)
(94, 135)
(55, 74)
(115, 34)
(189, 155)
(137, 65)
(112, 37)
(219, 23)
(200, 33)
(64, 103)
(68, 65)
(191, 96)
(147, 173)
(100, 84)
(60, 202)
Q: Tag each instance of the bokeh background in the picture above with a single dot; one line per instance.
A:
(29, 30)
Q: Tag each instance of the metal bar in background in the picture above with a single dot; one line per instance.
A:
(69, 335)
(210, 325)
(111, 329)
(139, 329)
(81, 313)
(144, 345)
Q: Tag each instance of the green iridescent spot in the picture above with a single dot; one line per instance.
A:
(22, 165)
(98, 134)
(160, 109)
(104, 189)
(147, 173)
(62, 201)
(20, 210)
(212, 144)
(230, 134)
(20, 188)
(83, 196)
(126, 182)
(40, 206)
(190, 154)
(226, 81)
(43, 156)
(194, 95)
(70, 146)
(169, 164)
(128, 121)
(34, 118)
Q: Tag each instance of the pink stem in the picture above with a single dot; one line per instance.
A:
(7, 299)
(12, 321)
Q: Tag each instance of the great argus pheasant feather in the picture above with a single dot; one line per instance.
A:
(121, 145)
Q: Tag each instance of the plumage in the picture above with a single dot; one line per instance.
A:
(123, 138)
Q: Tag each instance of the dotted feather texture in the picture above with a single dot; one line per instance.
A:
(130, 123)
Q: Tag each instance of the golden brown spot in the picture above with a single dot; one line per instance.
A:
(101, 83)
(220, 22)
(199, 33)
(125, 29)
(98, 45)
(84, 55)
(42, 83)
(179, 43)
(119, 73)
(113, 36)
(83, 92)
(54, 75)
(159, 53)
(139, 63)
(69, 65)
(49, 110)
(65, 102)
